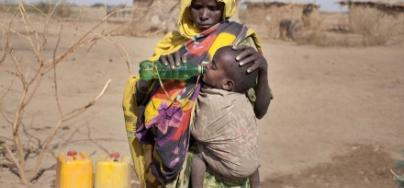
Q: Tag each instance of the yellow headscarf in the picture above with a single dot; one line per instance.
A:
(187, 29)
(173, 40)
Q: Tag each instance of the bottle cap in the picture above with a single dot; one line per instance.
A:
(115, 155)
(72, 153)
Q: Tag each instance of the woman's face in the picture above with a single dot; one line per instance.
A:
(206, 13)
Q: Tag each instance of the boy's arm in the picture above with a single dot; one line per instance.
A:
(143, 89)
(262, 91)
(263, 95)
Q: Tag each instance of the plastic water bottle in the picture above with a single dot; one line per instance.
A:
(156, 70)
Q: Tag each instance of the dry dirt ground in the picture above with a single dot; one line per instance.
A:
(336, 120)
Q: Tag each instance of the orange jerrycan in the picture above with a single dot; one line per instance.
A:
(112, 172)
(74, 170)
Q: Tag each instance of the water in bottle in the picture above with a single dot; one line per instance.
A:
(156, 70)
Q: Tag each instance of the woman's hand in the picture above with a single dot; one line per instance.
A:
(255, 60)
(173, 60)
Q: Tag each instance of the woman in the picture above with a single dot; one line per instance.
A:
(162, 112)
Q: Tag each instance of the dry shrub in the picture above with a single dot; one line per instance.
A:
(153, 17)
(363, 26)
(62, 9)
(22, 152)
(376, 27)
(327, 39)
(98, 5)
(328, 33)
(7, 8)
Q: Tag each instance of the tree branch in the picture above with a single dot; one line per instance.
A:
(21, 171)
(6, 46)
(77, 44)
(66, 117)
(55, 83)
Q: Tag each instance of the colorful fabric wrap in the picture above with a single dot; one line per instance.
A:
(158, 130)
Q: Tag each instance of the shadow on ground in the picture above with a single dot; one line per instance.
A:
(363, 167)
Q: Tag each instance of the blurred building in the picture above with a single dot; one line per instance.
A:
(270, 18)
(279, 18)
(389, 6)
(376, 16)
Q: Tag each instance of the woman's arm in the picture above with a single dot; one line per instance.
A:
(257, 62)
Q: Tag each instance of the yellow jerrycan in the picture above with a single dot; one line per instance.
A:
(74, 170)
(112, 172)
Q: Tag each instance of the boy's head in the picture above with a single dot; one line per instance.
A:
(225, 73)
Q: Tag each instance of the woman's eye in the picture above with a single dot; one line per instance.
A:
(213, 8)
(196, 7)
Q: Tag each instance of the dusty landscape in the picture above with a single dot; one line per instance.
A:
(336, 120)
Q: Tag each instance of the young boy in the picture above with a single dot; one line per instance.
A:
(225, 127)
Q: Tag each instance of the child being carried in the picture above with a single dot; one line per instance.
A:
(225, 128)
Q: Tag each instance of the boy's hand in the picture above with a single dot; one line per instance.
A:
(142, 86)
(255, 60)
(142, 89)
(173, 60)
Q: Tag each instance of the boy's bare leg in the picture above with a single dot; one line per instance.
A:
(198, 170)
(255, 179)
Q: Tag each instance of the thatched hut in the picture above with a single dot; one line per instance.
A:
(268, 17)
(388, 6)
(272, 17)
(382, 17)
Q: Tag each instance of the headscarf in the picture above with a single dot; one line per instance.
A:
(186, 30)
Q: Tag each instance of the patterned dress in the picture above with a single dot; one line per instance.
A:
(169, 108)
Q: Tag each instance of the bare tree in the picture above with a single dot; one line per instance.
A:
(21, 145)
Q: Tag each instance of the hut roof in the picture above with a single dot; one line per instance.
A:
(279, 2)
(380, 2)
